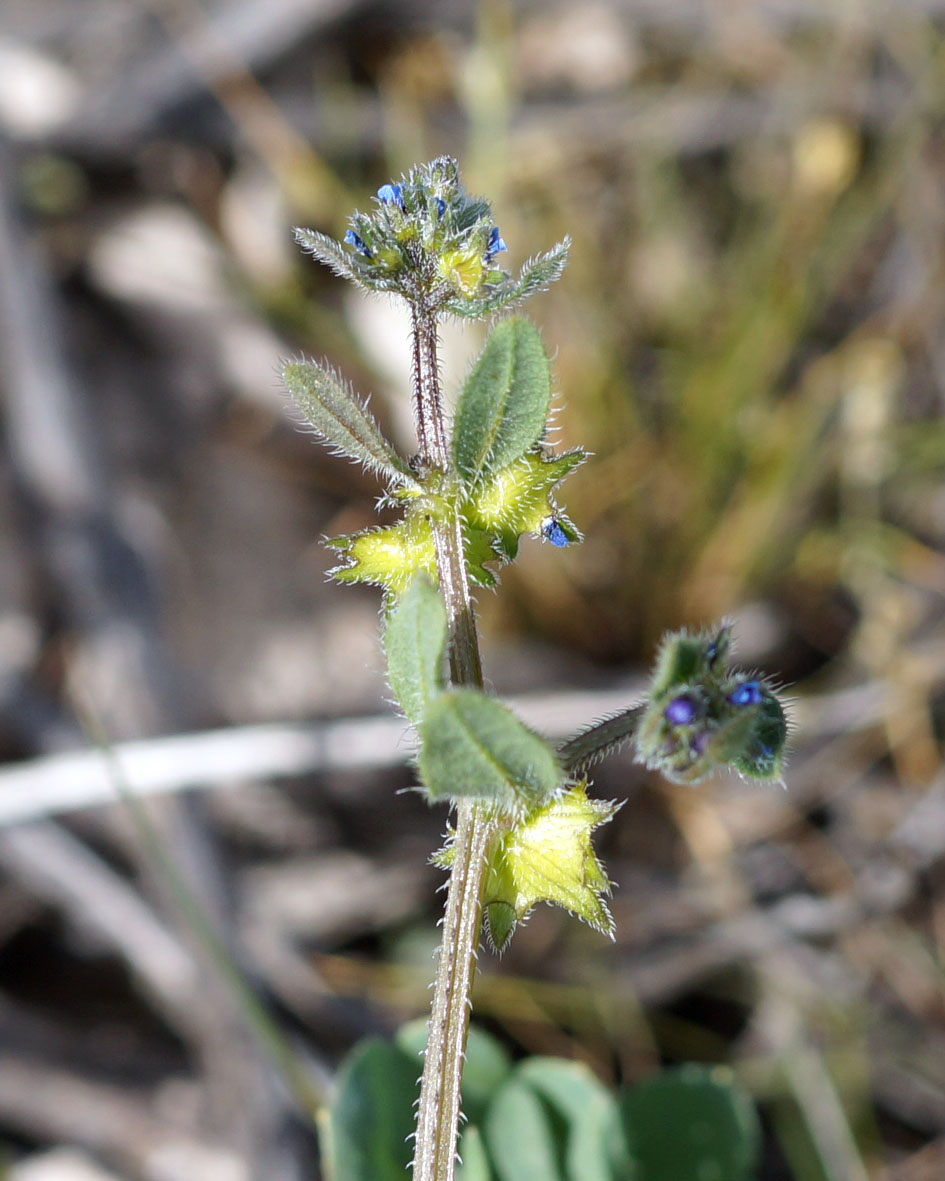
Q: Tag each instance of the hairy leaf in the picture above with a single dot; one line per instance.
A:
(472, 745)
(342, 421)
(503, 408)
(415, 640)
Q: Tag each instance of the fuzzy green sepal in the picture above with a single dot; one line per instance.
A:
(389, 556)
(548, 857)
(518, 499)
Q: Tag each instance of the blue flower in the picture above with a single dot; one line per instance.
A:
(496, 246)
(747, 693)
(391, 195)
(681, 711)
(440, 207)
(358, 243)
(552, 531)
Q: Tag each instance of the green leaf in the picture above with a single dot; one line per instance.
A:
(503, 408)
(372, 1114)
(341, 420)
(486, 1067)
(474, 1160)
(520, 1136)
(691, 1124)
(472, 745)
(411, 1038)
(415, 640)
(595, 1146)
(328, 251)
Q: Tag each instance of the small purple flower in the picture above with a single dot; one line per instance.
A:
(496, 245)
(357, 242)
(681, 711)
(699, 743)
(440, 207)
(747, 693)
(391, 195)
(552, 531)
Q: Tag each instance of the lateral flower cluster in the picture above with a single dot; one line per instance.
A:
(702, 716)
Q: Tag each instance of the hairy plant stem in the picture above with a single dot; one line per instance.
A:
(440, 1089)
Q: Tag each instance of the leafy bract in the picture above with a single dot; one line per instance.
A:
(390, 556)
(536, 275)
(518, 499)
(547, 856)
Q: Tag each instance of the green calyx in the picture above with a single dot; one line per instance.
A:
(547, 856)
(389, 556)
(513, 501)
(518, 499)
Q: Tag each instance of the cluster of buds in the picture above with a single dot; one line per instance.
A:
(701, 716)
(430, 242)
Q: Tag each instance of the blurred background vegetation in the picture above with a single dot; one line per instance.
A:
(749, 338)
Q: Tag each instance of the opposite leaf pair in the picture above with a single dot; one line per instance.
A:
(501, 477)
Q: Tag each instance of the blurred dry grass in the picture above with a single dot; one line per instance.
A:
(749, 338)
